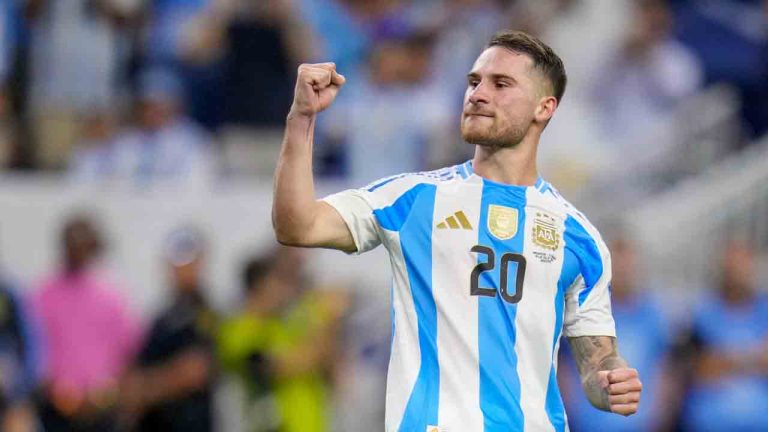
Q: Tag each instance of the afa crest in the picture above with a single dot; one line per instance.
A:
(545, 232)
(502, 221)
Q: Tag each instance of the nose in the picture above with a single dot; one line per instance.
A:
(478, 95)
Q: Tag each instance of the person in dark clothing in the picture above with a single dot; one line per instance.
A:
(171, 387)
(268, 41)
(18, 356)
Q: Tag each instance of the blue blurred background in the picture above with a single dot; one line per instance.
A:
(140, 284)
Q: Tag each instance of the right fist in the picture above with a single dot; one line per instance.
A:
(316, 87)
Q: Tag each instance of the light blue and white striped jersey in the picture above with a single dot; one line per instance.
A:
(487, 277)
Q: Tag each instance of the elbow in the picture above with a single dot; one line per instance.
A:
(287, 239)
(286, 234)
(294, 227)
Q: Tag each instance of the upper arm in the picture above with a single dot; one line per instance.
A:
(329, 229)
(326, 229)
(357, 220)
(348, 222)
(587, 297)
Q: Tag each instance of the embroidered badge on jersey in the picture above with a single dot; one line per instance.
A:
(545, 231)
(502, 221)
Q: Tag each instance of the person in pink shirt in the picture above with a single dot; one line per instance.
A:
(89, 336)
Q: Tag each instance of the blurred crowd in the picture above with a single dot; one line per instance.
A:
(195, 90)
(74, 356)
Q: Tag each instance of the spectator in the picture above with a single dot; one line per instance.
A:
(731, 38)
(342, 30)
(283, 346)
(164, 148)
(171, 388)
(378, 132)
(8, 15)
(642, 82)
(6, 40)
(89, 336)
(19, 356)
(188, 36)
(77, 51)
(91, 160)
(729, 342)
(7, 130)
(464, 27)
(267, 41)
(645, 343)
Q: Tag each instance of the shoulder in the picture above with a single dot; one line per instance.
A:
(391, 188)
(578, 228)
(406, 180)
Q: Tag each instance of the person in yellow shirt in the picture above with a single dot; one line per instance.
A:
(282, 345)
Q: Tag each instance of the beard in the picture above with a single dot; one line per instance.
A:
(492, 136)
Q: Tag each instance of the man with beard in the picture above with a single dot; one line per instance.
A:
(490, 263)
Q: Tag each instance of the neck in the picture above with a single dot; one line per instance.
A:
(512, 165)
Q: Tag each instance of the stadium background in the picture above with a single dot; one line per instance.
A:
(155, 116)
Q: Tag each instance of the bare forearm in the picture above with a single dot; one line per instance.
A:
(294, 195)
(596, 393)
(594, 354)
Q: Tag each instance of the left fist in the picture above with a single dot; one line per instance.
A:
(623, 389)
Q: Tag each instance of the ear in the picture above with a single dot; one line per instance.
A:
(545, 109)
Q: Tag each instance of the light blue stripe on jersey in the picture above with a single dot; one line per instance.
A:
(554, 402)
(394, 216)
(423, 403)
(585, 247)
(499, 382)
(416, 244)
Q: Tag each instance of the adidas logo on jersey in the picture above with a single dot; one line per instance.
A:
(456, 221)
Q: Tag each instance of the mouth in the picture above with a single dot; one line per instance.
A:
(475, 114)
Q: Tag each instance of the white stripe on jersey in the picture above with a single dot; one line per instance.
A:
(405, 355)
(457, 340)
(535, 323)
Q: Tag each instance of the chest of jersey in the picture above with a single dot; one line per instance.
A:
(503, 243)
(480, 270)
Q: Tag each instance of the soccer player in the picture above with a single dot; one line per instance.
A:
(490, 263)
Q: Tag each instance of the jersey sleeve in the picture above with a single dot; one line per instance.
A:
(363, 209)
(588, 298)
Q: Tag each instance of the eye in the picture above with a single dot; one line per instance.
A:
(474, 83)
(501, 84)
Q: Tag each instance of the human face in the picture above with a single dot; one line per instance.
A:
(82, 243)
(500, 104)
(187, 276)
(738, 272)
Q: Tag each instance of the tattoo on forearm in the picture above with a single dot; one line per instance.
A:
(593, 354)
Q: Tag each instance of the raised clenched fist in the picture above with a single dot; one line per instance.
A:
(316, 87)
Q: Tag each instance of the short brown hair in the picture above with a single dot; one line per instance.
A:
(544, 58)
